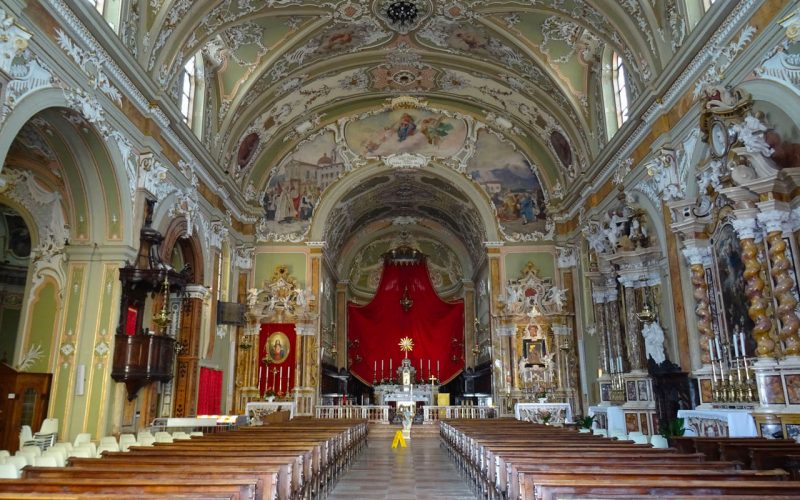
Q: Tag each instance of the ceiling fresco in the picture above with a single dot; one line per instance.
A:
(284, 77)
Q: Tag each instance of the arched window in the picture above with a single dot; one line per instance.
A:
(620, 89)
(192, 91)
(616, 98)
(110, 10)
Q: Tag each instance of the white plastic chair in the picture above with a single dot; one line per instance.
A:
(17, 461)
(80, 453)
(49, 426)
(126, 440)
(28, 456)
(8, 471)
(180, 435)
(45, 461)
(659, 441)
(60, 454)
(163, 437)
(142, 433)
(90, 447)
(110, 447)
(25, 435)
(146, 441)
(64, 445)
(108, 441)
(82, 438)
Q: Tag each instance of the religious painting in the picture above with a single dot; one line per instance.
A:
(630, 390)
(277, 348)
(631, 422)
(535, 351)
(644, 421)
(793, 388)
(705, 390)
(295, 185)
(414, 131)
(605, 392)
(771, 430)
(730, 273)
(510, 182)
(771, 389)
(562, 149)
(644, 393)
(793, 431)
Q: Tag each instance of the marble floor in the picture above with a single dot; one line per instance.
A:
(421, 471)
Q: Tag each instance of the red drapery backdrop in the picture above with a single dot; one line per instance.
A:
(435, 326)
(277, 376)
(209, 392)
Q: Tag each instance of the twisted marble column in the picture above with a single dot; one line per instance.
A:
(754, 288)
(614, 334)
(699, 258)
(784, 285)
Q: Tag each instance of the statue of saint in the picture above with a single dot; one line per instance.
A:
(654, 341)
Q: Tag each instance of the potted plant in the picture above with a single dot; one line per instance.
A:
(546, 417)
(673, 428)
(585, 423)
(269, 395)
(541, 396)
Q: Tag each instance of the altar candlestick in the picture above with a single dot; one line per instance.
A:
(711, 350)
(420, 368)
(719, 351)
(437, 371)
(735, 345)
(259, 378)
(429, 367)
(266, 386)
(741, 338)
(288, 378)
(390, 367)
(375, 368)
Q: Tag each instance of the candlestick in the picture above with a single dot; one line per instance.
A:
(375, 368)
(438, 373)
(735, 345)
(280, 380)
(390, 367)
(429, 367)
(719, 351)
(741, 338)
(711, 351)
(288, 378)
(259, 378)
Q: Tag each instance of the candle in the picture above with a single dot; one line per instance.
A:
(259, 378)
(280, 380)
(743, 351)
(429, 367)
(711, 350)
(735, 345)
(375, 368)
(288, 378)
(266, 386)
(390, 367)
(420, 368)
(719, 351)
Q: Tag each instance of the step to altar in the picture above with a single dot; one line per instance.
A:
(379, 431)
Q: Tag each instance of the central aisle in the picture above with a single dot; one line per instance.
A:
(423, 470)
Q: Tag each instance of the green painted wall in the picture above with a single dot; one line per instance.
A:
(9, 325)
(43, 325)
(544, 261)
(266, 263)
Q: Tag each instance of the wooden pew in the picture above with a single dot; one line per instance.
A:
(227, 488)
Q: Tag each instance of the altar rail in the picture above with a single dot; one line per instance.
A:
(435, 413)
(372, 413)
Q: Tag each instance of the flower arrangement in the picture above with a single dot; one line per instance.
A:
(585, 422)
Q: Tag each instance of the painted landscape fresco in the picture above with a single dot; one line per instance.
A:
(294, 187)
(510, 182)
(406, 131)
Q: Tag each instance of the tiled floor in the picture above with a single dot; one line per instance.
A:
(423, 470)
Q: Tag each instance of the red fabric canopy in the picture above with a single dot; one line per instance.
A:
(435, 326)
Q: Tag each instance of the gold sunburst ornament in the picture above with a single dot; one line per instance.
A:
(406, 345)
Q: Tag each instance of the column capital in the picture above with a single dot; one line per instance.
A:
(745, 224)
(697, 252)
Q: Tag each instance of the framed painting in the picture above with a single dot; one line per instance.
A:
(729, 270)
(630, 390)
(535, 351)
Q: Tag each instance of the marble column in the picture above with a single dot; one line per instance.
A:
(772, 217)
(698, 254)
(601, 329)
(745, 226)
(616, 356)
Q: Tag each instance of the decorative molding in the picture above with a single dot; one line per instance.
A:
(91, 65)
(406, 161)
(243, 258)
(13, 41)
(566, 257)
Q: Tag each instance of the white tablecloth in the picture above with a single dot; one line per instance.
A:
(267, 407)
(706, 422)
(523, 408)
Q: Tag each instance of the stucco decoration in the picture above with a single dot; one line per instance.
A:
(13, 41)
(28, 74)
(443, 264)
(53, 231)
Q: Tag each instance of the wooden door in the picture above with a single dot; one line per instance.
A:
(23, 401)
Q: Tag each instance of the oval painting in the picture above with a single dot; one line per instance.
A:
(406, 131)
(277, 348)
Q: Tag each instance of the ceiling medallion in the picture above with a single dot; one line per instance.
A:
(402, 16)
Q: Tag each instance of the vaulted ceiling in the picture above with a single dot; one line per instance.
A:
(279, 70)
